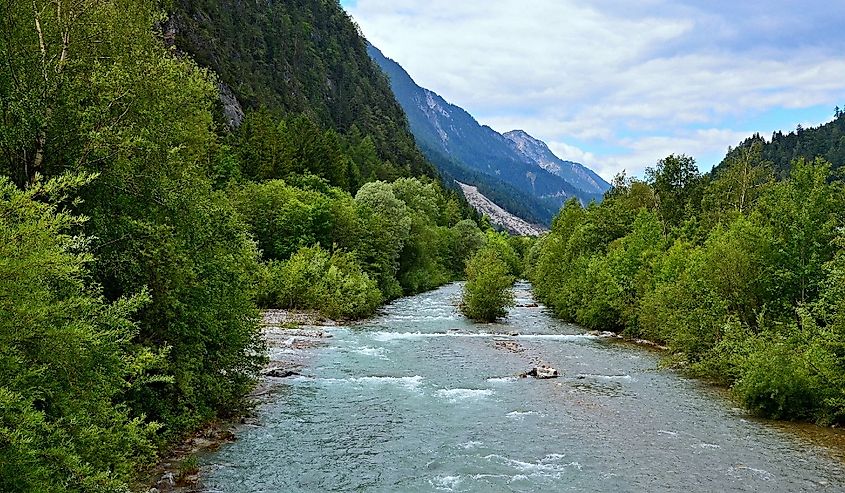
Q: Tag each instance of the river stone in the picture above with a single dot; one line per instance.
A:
(280, 372)
(541, 372)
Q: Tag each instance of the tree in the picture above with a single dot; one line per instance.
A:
(743, 179)
(675, 181)
(488, 291)
(387, 226)
(805, 214)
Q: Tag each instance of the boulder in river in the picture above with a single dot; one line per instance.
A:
(280, 372)
(541, 372)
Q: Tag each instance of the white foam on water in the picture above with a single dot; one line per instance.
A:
(520, 414)
(558, 337)
(509, 478)
(457, 395)
(604, 377)
(764, 475)
(410, 383)
(398, 336)
(665, 432)
(553, 457)
(371, 351)
(383, 336)
(423, 318)
(471, 444)
(445, 483)
(707, 445)
(547, 466)
(502, 379)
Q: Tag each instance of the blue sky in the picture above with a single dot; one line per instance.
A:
(619, 87)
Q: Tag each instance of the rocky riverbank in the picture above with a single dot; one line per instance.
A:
(289, 336)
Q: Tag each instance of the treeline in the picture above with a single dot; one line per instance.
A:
(345, 255)
(826, 141)
(742, 276)
(137, 237)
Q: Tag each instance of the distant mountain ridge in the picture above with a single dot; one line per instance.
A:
(517, 172)
(575, 173)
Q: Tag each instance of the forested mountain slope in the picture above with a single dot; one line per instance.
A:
(303, 56)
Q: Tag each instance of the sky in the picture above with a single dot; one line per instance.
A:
(619, 85)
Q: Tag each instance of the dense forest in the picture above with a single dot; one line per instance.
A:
(741, 275)
(140, 235)
(300, 57)
(825, 141)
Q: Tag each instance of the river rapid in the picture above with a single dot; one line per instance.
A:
(421, 399)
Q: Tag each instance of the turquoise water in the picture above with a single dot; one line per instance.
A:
(405, 402)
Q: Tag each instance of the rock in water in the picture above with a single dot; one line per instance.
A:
(280, 372)
(541, 372)
(546, 372)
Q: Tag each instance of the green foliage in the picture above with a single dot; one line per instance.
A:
(270, 148)
(826, 141)
(115, 102)
(128, 311)
(332, 283)
(719, 271)
(487, 293)
(283, 218)
(676, 185)
(66, 354)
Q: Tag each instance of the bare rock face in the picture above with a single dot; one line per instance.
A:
(499, 216)
(232, 110)
(169, 29)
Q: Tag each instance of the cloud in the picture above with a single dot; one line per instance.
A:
(639, 79)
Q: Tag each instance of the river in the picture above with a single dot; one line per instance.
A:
(404, 402)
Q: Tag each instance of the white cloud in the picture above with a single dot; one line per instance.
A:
(601, 72)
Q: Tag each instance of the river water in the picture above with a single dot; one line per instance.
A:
(405, 402)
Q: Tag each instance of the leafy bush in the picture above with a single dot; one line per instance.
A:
(332, 283)
(776, 381)
(487, 293)
(66, 355)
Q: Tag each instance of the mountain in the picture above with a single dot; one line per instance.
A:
(303, 57)
(538, 152)
(519, 173)
(825, 141)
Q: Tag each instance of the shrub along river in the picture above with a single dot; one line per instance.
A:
(420, 399)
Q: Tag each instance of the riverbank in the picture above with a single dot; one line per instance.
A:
(289, 335)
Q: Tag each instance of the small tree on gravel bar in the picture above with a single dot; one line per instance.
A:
(488, 290)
